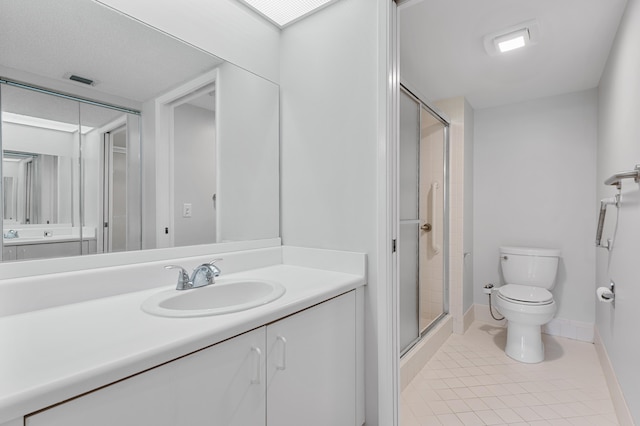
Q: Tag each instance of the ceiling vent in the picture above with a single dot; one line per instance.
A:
(80, 79)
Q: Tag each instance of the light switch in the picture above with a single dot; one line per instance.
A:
(186, 210)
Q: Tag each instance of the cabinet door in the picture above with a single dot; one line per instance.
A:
(9, 253)
(47, 250)
(223, 385)
(311, 366)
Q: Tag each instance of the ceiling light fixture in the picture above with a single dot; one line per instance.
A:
(285, 12)
(512, 38)
(512, 41)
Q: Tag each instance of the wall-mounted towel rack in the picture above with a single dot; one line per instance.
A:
(614, 201)
(617, 178)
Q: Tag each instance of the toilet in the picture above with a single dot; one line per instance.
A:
(525, 300)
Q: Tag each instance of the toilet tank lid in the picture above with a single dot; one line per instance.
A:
(530, 251)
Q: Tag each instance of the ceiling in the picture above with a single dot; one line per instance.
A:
(126, 58)
(442, 54)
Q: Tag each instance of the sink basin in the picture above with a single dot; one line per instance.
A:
(223, 297)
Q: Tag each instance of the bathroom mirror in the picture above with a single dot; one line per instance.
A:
(191, 158)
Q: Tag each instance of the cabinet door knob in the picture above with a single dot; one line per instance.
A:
(283, 359)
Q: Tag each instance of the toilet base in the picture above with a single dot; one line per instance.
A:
(524, 342)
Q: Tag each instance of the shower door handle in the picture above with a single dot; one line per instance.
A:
(434, 210)
(426, 227)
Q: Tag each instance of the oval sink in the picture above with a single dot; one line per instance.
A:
(223, 297)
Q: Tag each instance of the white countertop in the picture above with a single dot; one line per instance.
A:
(45, 240)
(50, 355)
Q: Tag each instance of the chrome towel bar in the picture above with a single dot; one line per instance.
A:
(615, 201)
(617, 178)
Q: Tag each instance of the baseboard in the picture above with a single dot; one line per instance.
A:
(469, 318)
(576, 330)
(418, 356)
(617, 397)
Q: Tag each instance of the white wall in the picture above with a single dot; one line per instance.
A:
(92, 194)
(248, 156)
(534, 180)
(619, 149)
(329, 124)
(16, 137)
(224, 28)
(195, 178)
(461, 131)
(468, 185)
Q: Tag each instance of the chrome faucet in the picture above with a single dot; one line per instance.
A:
(11, 233)
(203, 275)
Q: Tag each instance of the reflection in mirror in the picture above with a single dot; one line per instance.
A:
(35, 185)
(73, 171)
(79, 173)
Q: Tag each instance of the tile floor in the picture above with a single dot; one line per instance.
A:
(470, 381)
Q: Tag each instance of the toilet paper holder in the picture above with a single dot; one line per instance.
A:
(607, 295)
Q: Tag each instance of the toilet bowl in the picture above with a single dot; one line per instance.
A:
(525, 300)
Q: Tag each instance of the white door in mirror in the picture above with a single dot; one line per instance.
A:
(223, 297)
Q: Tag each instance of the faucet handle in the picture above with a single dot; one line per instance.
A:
(214, 268)
(183, 278)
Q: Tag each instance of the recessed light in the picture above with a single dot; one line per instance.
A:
(285, 12)
(512, 41)
(512, 38)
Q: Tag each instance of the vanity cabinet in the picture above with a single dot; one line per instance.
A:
(222, 385)
(299, 370)
(43, 250)
(311, 366)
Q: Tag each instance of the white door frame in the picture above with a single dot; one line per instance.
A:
(387, 187)
(164, 106)
(107, 128)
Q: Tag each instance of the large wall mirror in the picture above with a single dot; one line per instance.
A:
(118, 137)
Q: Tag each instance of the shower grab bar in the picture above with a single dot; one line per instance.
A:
(434, 223)
(617, 178)
(615, 201)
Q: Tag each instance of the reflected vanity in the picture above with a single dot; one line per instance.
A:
(164, 146)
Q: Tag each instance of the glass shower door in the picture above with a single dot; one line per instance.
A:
(422, 248)
(408, 238)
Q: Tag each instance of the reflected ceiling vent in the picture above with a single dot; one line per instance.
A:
(80, 79)
(512, 38)
(286, 12)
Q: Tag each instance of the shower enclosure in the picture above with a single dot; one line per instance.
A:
(423, 213)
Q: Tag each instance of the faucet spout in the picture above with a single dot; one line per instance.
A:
(205, 274)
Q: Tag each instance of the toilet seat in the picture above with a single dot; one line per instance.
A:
(524, 294)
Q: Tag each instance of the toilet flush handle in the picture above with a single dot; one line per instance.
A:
(505, 258)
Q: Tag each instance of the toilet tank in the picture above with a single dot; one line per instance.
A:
(529, 266)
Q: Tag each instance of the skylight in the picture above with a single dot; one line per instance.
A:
(285, 12)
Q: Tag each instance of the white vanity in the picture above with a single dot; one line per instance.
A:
(103, 361)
